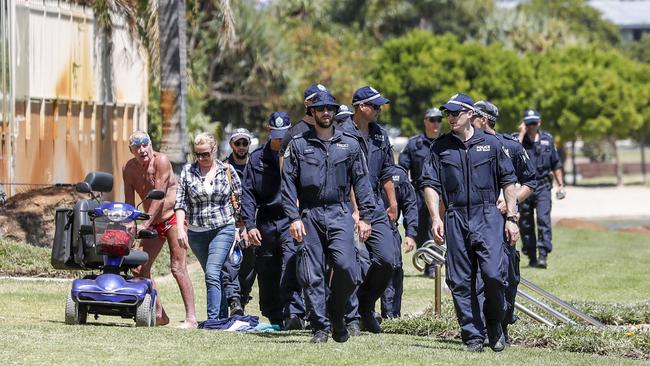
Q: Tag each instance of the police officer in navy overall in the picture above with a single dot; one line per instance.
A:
(238, 278)
(485, 118)
(268, 228)
(343, 113)
(540, 148)
(407, 207)
(307, 121)
(412, 159)
(378, 153)
(321, 166)
(468, 168)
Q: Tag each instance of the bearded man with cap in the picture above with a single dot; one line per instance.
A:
(307, 120)
(378, 154)
(321, 167)
(412, 159)
(485, 118)
(268, 228)
(541, 150)
(237, 279)
(468, 168)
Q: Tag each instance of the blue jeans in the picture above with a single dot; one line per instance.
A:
(211, 249)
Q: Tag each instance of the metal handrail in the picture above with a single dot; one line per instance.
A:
(430, 252)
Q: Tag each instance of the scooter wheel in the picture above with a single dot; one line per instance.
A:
(144, 317)
(74, 312)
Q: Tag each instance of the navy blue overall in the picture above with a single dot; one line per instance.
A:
(412, 158)
(319, 175)
(378, 154)
(469, 176)
(237, 279)
(391, 300)
(275, 259)
(545, 158)
(525, 171)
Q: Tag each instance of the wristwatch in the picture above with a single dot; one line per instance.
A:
(513, 218)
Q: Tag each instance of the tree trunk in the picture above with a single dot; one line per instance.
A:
(573, 162)
(619, 164)
(173, 81)
(106, 100)
(642, 145)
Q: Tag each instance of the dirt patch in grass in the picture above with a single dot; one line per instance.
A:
(29, 217)
(580, 224)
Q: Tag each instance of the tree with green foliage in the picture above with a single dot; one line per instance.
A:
(587, 92)
(420, 70)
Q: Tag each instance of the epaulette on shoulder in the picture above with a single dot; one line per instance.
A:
(509, 137)
(400, 169)
(547, 134)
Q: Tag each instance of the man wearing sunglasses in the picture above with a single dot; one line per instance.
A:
(378, 153)
(307, 120)
(321, 167)
(467, 169)
(412, 159)
(268, 228)
(238, 279)
(485, 118)
(147, 170)
(541, 149)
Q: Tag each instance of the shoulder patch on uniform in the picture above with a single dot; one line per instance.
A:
(484, 148)
(342, 145)
(287, 153)
(505, 150)
(395, 178)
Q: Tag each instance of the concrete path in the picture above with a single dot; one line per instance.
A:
(603, 203)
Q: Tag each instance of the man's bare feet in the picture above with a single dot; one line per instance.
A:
(162, 320)
(187, 325)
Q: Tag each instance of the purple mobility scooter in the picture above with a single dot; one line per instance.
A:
(95, 235)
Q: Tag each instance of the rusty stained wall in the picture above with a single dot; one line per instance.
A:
(62, 142)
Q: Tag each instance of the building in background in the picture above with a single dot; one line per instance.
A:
(69, 96)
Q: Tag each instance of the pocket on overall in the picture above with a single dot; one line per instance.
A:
(304, 271)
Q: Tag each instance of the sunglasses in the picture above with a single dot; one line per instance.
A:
(202, 155)
(137, 142)
(241, 143)
(434, 119)
(457, 113)
(323, 108)
(375, 107)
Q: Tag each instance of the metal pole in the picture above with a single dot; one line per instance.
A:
(437, 307)
(563, 318)
(562, 303)
(12, 93)
(533, 314)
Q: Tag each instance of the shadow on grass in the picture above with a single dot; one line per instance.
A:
(93, 324)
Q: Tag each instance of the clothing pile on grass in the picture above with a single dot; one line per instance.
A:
(239, 323)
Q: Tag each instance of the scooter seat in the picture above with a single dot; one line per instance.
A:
(135, 258)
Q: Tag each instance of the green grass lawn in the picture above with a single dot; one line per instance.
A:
(584, 266)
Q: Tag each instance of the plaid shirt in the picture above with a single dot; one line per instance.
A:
(210, 210)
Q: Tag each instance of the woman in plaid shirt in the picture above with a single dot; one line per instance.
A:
(203, 199)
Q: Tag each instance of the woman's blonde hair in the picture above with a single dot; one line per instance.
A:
(204, 138)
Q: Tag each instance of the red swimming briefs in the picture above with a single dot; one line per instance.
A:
(163, 227)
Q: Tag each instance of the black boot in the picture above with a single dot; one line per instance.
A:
(369, 323)
(320, 336)
(495, 335)
(235, 307)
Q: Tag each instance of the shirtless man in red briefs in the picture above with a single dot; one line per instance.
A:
(152, 170)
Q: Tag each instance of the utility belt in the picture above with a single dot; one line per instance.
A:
(270, 213)
(313, 204)
(545, 181)
(487, 207)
